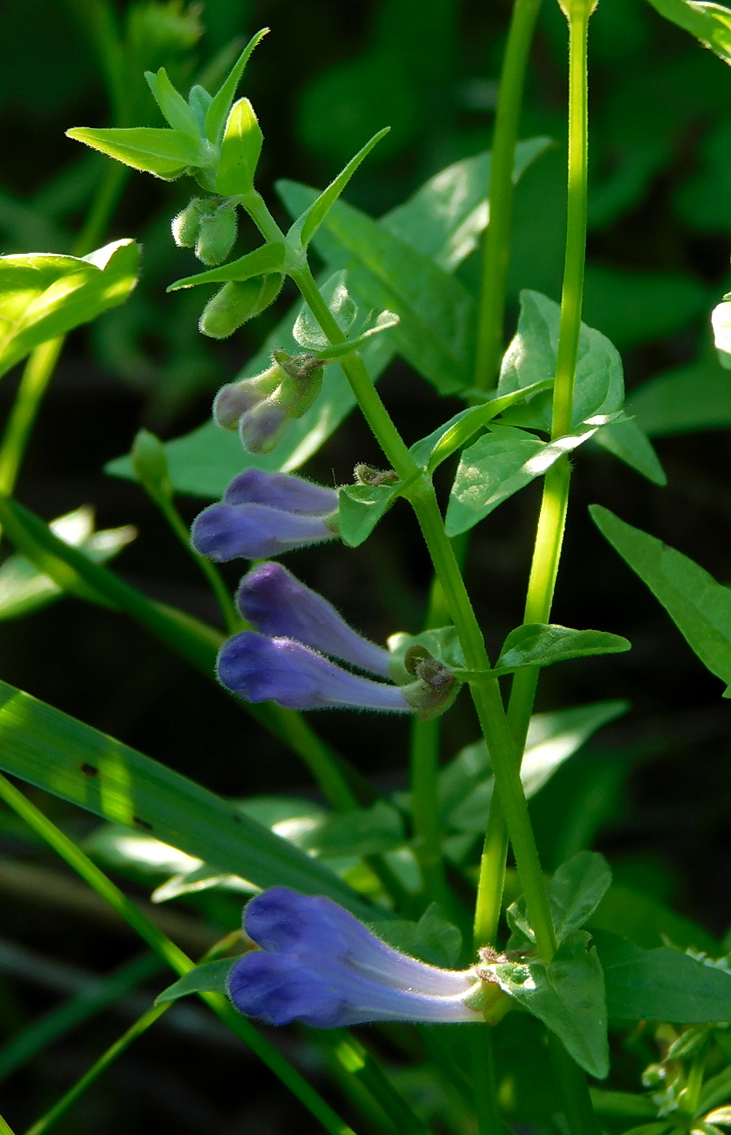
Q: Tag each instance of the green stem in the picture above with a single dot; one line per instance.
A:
(232, 620)
(171, 954)
(554, 504)
(496, 252)
(485, 693)
(483, 1080)
(36, 376)
(5, 1128)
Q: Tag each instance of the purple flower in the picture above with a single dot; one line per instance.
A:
(264, 514)
(258, 668)
(277, 604)
(320, 965)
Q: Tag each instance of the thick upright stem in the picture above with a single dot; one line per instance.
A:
(496, 254)
(554, 504)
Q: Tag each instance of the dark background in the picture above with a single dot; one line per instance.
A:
(654, 791)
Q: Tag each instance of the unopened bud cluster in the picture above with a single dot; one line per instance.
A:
(209, 225)
(262, 407)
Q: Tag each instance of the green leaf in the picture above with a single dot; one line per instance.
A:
(574, 893)
(44, 295)
(568, 996)
(365, 831)
(360, 507)
(699, 607)
(647, 921)
(435, 310)
(443, 220)
(342, 307)
(498, 465)
(692, 397)
(265, 259)
(432, 938)
(709, 23)
(721, 323)
(466, 783)
(715, 1091)
(542, 644)
(71, 760)
(24, 589)
(576, 889)
(437, 446)
(305, 227)
(661, 984)
(240, 150)
(172, 104)
(531, 357)
(219, 109)
(211, 977)
(631, 444)
(622, 1105)
(164, 153)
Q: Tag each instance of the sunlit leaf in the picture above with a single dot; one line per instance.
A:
(44, 295)
(164, 153)
(698, 605)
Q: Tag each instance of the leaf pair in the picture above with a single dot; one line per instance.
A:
(212, 137)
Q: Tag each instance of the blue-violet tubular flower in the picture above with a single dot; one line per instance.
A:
(276, 603)
(264, 514)
(320, 965)
(258, 669)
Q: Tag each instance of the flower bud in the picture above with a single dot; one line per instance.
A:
(186, 224)
(237, 302)
(235, 398)
(150, 464)
(216, 235)
(301, 382)
(258, 668)
(263, 426)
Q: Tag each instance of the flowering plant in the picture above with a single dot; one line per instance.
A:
(368, 907)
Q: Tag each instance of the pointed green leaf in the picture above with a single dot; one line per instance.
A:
(211, 977)
(568, 996)
(432, 450)
(71, 760)
(385, 321)
(661, 984)
(498, 465)
(268, 258)
(360, 507)
(576, 889)
(240, 150)
(531, 357)
(164, 153)
(222, 101)
(698, 605)
(305, 227)
(541, 644)
(692, 397)
(631, 444)
(44, 295)
(172, 104)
